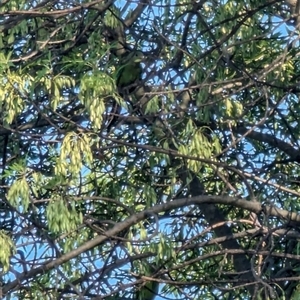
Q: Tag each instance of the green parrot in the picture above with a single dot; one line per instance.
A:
(149, 291)
(130, 70)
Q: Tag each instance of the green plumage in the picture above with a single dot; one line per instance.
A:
(149, 291)
(130, 70)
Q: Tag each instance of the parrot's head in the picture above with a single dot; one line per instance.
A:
(137, 56)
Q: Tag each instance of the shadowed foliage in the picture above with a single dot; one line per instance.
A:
(149, 149)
